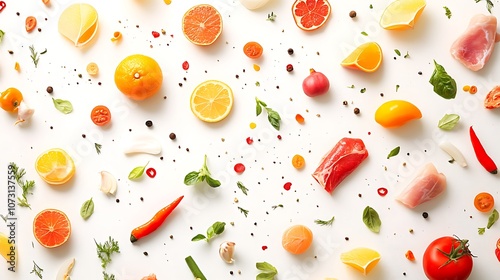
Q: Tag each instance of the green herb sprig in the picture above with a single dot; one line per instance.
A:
(37, 270)
(104, 251)
(325, 222)
(242, 187)
(2, 33)
(216, 229)
(35, 56)
(273, 116)
(447, 12)
(108, 276)
(27, 186)
(268, 271)
(203, 174)
(489, 4)
(271, 17)
(244, 211)
(98, 148)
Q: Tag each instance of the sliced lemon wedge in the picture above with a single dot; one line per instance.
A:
(78, 23)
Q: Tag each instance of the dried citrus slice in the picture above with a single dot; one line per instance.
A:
(211, 101)
(78, 23)
(202, 24)
(311, 14)
(367, 57)
(8, 250)
(55, 166)
(402, 14)
(51, 228)
(297, 239)
(362, 259)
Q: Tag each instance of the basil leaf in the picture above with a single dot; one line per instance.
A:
(191, 178)
(212, 182)
(481, 230)
(198, 237)
(274, 118)
(87, 209)
(1, 35)
(371, 219)
(394, 152)
(397, 52)
(137, 172)
(218, 227)
(258, 109)
(63, 106)
(268, 271)
(266, 276)
(492, 218)
(444, 85)
(449, 121)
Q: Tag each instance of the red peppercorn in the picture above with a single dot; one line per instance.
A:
(264, 247)
(249, 140)
(239, 168)
(185, 65)
(289, 67)
(287, 186)
(279, 137)
(151, 172)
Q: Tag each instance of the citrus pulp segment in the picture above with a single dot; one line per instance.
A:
(211, 101)
(55, 166)
(402, 14)
(51, 228)
(78, 23)
(362, 259)
(297, 239)
(310, 15)
(138, 76)
(367, 57)
(202, 24)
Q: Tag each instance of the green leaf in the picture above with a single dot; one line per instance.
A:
(274, 118)
(492, 218)
(268, 271)
(137, 172)
(371, 219)
(481, 230)
(191, 178)
(397, 52)
(218, 227)
(212, 182)
(87, 209)
(394, 152)
(266, 276)
(198, 237)
(258, 109)
(449, 121)
(1, 35)
(364, 33)
(444, 85)
(64, 106)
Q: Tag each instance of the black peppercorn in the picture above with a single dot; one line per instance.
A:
(356, 111)
(149, 123)
(344, 103)
(290, 51)
(172, 136)
(145, 253)
(425, 215)
(50, 89)
(352, 14)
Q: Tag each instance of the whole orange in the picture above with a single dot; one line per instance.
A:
(297, 239)
(138, 77)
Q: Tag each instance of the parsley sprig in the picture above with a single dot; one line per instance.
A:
(26, 186)
(273, 116)
(108, 276)
(104, 251)
(203, 174)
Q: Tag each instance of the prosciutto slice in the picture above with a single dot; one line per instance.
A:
(426, 185)
(339, 162)
(474, 47)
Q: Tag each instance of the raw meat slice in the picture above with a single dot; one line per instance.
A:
(474, 47)
(339, 162)
(426, 185)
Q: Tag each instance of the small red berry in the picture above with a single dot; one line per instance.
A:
(155, 34)
(287, 186)
(239, 168)
(185, 65)
(289, 67)
(249, 140)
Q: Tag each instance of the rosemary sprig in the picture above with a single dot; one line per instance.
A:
(37, 270)
(242, 187)
(489, 4)
(325, 223)
(244, 211)
(276, 206)
(98, 148)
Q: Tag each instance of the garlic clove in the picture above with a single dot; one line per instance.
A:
(24, 113)
(108, 183)
(147, 144)
(454, 152)
(65, 270)
(226, 251)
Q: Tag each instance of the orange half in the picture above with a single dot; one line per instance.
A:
(51, 228)
(367, 57)
(202, 24)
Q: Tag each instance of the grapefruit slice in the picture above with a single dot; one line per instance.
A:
(202, 24)
(78, 23)
(51, 228)
(310, 15)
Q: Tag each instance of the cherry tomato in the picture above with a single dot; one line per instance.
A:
(492, 99)
(100, 115)
(30, 23)
(10, 99)
(298, 161)
(448, 258)
(396, 113)
(497, 250)
(484, 202)
(253, 50)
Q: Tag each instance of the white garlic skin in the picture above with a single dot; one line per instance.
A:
(108, 183)
(24, 112)
(226, 251)
(254, 4)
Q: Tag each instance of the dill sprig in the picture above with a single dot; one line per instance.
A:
(105, 250)
(35, 56)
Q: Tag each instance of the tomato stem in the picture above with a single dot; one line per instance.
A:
(456, 253)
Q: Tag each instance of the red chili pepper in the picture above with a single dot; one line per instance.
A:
(158, 219)
(151, 172)
(483, 158)
(382, 191)
(2, 5)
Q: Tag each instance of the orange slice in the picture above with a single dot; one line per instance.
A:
(297, 239)
(55, 166)
(367, 58)
(51, 228)
(78, 23)
(7, 250)
(402, 14)
(211, 101)
(362, 259)
(310, 15)
(202, 24)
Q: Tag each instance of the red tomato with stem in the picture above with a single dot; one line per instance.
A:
(100, 115)
(448, 258)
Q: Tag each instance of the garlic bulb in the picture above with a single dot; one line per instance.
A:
(65, 270)
(254, 4)
(24, 113)
(108, 183)
(226, 251)
(147, 144)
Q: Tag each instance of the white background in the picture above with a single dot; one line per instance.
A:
(268, 161)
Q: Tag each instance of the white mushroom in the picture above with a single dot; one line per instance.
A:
(226, 251)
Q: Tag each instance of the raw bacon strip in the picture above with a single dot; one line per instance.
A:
(426, 185)
(339, 162)
(474, 47)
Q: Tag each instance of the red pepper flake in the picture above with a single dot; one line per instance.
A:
(287, 186)
(2, 5)
(299, 118)
(185, 65)
(382, 191)
(249, 140)
(264, 248)
(409, 255)
(155, 34)
(151, 172)
(239, 168)
(279, 137)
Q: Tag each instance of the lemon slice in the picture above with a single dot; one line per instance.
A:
(362, 259)
(211, 101)
(402, 14)
(78, 23)
(55, 166)
(6, 252)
